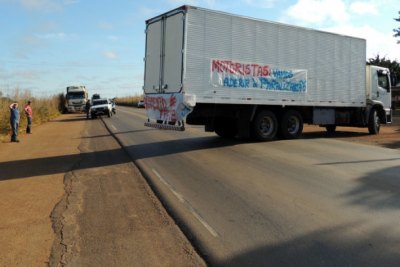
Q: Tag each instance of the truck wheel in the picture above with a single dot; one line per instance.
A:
(226, 128)
(374, 123)
(330, 128)
(109, 114)
(264, 126)
(291, 125)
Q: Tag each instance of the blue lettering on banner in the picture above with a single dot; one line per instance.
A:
(270, 84)
(282, 74)
(283, 85)
(233, 82)
(248, 75)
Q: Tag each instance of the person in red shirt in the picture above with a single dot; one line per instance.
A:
(28, 113)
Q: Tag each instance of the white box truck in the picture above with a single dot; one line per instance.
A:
(76, 98)
(240, 76)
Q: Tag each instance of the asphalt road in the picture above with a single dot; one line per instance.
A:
(307, 202)
(109, 216)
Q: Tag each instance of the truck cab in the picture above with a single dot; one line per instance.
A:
(378, 92)
(76, 98)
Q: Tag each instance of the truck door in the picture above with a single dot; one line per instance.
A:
(164, 54)
(153, 58)
(383, 88)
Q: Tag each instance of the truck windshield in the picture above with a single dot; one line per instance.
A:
(75, 95)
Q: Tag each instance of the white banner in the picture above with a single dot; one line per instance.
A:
(233, 74)
(166, 107)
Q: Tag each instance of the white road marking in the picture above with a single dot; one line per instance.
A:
(113, 127)
(179, 196)
(187, 204)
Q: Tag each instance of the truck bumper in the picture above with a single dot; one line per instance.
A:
(76, 108)
(389, 115)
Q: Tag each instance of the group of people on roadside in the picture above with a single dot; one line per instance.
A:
(14, 119)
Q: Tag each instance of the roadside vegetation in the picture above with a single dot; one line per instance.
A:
(128, 100)
(44, 109)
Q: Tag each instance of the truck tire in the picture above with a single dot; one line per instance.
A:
(264, 126)
(226, 128)
(109, 114)
(291, 124)
(374, 122)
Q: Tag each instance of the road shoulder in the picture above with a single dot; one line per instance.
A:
(110, 216)
(31, 178)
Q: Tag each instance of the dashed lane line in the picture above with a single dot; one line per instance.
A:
(187, 204)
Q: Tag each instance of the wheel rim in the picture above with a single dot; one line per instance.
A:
(293, 125)
(266, 126)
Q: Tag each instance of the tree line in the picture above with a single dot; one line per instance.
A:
(392, 65)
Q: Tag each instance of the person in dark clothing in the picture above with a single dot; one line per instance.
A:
(14, 121)
(87, 107)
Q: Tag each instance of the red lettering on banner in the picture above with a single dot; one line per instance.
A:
(167, 111)
(237, 68)
(157, 103)
(254, 67)
(172, 101)
(247, 69)
(265, 71)
(259, 71)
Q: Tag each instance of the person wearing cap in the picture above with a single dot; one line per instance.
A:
(28, 113)
(14, 121)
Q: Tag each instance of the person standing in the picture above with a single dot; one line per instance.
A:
(28, 113)
(87, 108)
(14, 121)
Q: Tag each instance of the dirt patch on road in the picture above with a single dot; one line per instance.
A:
(389, 135)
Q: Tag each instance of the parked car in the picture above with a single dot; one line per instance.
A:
(101, 106)
(140, 104)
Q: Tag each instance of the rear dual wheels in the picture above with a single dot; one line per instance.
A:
(265, 125)
(291, 124)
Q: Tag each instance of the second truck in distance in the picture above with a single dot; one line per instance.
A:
(76, 98)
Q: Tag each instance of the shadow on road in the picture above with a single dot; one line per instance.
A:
(80, 118)
(329, 248)
(378, 190)
(337, 134)
(59, 164)
(164, 148)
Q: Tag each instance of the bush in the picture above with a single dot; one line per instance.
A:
(128, 100)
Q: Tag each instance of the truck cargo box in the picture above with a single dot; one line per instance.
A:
(222, 58)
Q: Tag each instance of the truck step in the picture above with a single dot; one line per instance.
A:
(165, 126)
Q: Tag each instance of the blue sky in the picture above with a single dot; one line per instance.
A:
(46, 45)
